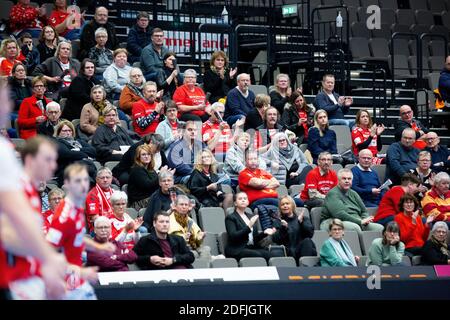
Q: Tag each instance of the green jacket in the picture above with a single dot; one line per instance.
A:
(347, 207)
(329, 258)
(385, 255)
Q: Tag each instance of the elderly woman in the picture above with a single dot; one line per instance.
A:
(124, 228)
(254, 118)
(168, 128)
(235, 157)
(320, 137)
(388, 250)
(19, 85)
(79, 91)
(60, 70)
(413, 232)
(282, 93)
(91, 115)
(205, 184)
(133, 91)
(366, 135)
(219, 78)
(48, 41)
(72, 150)
(286, 161)
(294, 231)
(116, 261)
(298, 116)
(169, 78)
(435, 251)
(9, 51)
(143, 180)
(110, 140)
(100, 54)
(117, 75)
(66, 23)
(190, 99)
(54, 198)
(335, 251)
(424, 173)
(437, 201)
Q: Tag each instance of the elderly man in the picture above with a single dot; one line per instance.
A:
(335, 105)
(440, 156)
(401, 157)
(147, 112)
(87, 38)
(345, 204)
(105, 261)
(152, 55)
(53, 114)
(407, 121)
(268, 129)
(240, 100)
(365, 180)
(437, 201)
(319, 181)
(444, 81)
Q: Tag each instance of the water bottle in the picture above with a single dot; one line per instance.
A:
(224, 15)
(339, 20)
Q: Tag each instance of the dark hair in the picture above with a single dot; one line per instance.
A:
(156, 30)
(390, 227)
(170, 104)
(32, 145)
(41, 36)
(83, 64)
(407, 197)
(169, 54)
(16, 65)
(294, 97)
(160, 213)
(25, 35)
(409, 178)
(154, 138)
(142, 14)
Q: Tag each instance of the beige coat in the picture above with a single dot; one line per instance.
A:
(89, 118)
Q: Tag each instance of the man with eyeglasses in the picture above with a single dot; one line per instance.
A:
(437, 201)
(152, 56)
(54, 198)
(440, 156)
(407, 121)
(53, 114)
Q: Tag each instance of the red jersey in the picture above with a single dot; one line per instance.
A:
(183, 96)
(359, 135)
(117, 226)
(97, 203)
(389, 203)
(57, 17)
(255, 194)
(322, 183)
(143, 109)
(47, 218)
(209, 129)
(6, 66)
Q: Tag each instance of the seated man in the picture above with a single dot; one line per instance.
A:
(240, 100)
(139, 36)
(259, 185)
(345, 204)
(437, 201)
(407, 121)
(160, 250)
(147, 112)
(444, 81)
(266, 131)
(53, 114)
(401, 157)
(365, 181)
(388, 206)
(440, 156)
(116, 261)
(319, 181)
(152, 55)
(97, 200)
(335, 105)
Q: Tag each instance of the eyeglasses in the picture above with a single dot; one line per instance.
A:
(66, 130)
(110, 115)
(406, 113)
(282, 140)
(424, 160)
(120, 204)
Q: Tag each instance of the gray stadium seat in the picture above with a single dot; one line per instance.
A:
(367, 3)
(436, 63)
(433, 80)
(212, 219)
(201, 264)
(97, 164)
(211, 241)
(380, 169)
(253, 262)
(419, 29)
(379, 48)
(296, 189)
(141, 212)
(437, 48)
(359, 47)
(350, 166)
(282, 262)
(412, 62)
(351, 3)
(398, 27)
(437, 6)
(62, 103)
(388, 16)
(343, 137)
(424, 17)
(352, 239)
(401, 67)
(319, 237)
(418, 4)
(362, 261)
(384, 31)
(417, 260)
(125, 188)
(224, 263)
(5, 8)
(366, 240)
(406, 261)
(282, 191)
(222, 241)
(315, 217)
(257, 88)
(388, 4)
(303, 147)
(401, 46)
(133, 267)
(132, 212)
(111, 164)
(446, 19)
(308, 261)
(359, 29)
(226, 188)
(305, 212)
(336, 167)
(18, 142)
(75, 47)
(406, 16)
(441, 30)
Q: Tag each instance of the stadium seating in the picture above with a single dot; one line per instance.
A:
(315, 217)
(366, 240)
(252, 262)
(212, 219)
(308, 261)
(224, 263)
(282, 262)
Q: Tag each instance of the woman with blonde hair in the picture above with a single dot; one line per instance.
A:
(9, 51)
(320, 137)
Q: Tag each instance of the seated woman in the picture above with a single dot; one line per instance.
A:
(219, 78)
(282, 93)
(79, 92)
(254, 118)
(110, 140)
(66, 23)
(389, 250)
(285, 161)
(243, 233)
(143, 180)
(336, 252)
(169, 127)
(19, 86)
(48, 41)
(124, 228)
(413, 232)
(424, 173)
(100, 54)
(169, 78)
(298, 116)
(205, 184)
(367, 135)
(320, 137)
(294, 231)
(435, 251)
(9, 52)
(72, 150)
(117, 75)
(91, 115)
(132, 92)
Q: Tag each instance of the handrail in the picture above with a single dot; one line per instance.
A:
(219, 28)
(376, 93)
(427, 110)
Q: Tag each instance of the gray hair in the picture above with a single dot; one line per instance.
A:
(164, 174)
(323, 154)
(100, 30)
(52, 104)
(56, 191)
(117, 196)
(342, 171)
(100, 220)
(216, 105)
(134, 69)
(439, 224)
(103, 169)
(149, 83)
(182, 197)
(440, 177)
(99, 86)
(190, 72)
(410, 130)
(241, 75)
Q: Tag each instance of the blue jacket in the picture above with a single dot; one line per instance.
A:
(441, 155)
(151, 61)
(363, 183)
(335, 111)
(444, 85)
(318, 144)
(237, 104)
(138, 39)
(181, 158)
(399, 161)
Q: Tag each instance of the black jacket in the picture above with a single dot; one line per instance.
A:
(78, 94)
(253, 120)
(17, 92)
(290, 119)
(277, 101)
(105, 140)
(217, 86)
(141, 184)
(238, 234)
(158, 201)
(169, 89)
(432, 255)
(149, 246)
(401, 125)
(197, 184)
(137, 40)
(47, 129)
(87, 37)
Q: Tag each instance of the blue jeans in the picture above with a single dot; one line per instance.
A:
(386, 220)
(269, 201)
(342, 122)
(151, 76)
(232, 119)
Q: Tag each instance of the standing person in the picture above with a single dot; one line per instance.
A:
(48, 41)
(298, 116)
(152, 55)
(219, 78)
(148, 112)
(139, 36)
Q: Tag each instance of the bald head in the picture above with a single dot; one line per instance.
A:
(101, 15)
(406, 113)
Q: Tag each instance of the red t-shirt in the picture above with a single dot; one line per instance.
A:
(389, 203)
(142, 109)
(97, 203)
(412, 235)
(57, 17)
(117, 226)
(303, 115)
(255, 194)
(183, 96)
(323, 184)
(6, 66)
(209, 129)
